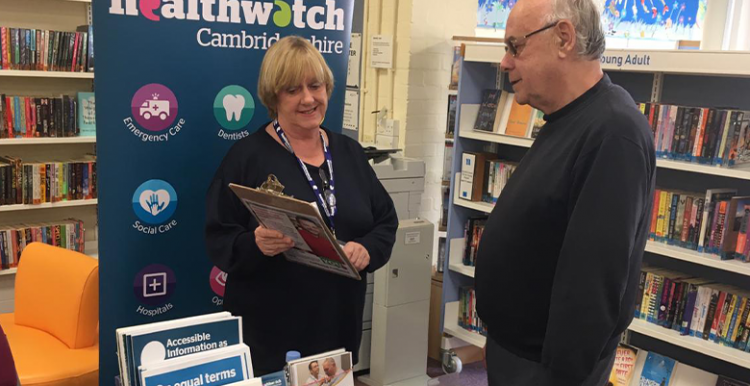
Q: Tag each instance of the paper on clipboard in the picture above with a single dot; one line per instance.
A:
(314, 244)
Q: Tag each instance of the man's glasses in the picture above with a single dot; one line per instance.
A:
(327, 193)
(513, 45)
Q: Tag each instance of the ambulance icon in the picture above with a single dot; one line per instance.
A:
(155, 108)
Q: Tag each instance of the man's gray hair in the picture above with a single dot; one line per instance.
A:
(586, 17)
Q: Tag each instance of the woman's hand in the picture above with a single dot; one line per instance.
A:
(272, 242)
(357, 254)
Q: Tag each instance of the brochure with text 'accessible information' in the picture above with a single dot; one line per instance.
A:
(156, 342)
(218, 367)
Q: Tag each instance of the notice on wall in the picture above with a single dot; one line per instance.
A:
(355, 60)
(381, 51)
(351, 110)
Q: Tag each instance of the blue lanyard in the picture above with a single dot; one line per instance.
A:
(328, 207)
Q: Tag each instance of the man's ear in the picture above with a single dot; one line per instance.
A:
(566, 38)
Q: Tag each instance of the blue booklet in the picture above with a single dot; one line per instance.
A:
(657, 370)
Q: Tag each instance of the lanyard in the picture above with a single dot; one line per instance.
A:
(329, 206)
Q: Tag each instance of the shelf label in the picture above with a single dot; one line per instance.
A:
(626, 60)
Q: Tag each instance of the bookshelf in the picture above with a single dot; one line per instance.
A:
(452, 327)
(47, 141)
(54, 15)
(689, 78)
(47, 74)
(711, 349)
(61, 204)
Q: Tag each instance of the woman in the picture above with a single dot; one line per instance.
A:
(285, 305)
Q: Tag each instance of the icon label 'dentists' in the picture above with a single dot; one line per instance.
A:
(154, 109)
(234, 108)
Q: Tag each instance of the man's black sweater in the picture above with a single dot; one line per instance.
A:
(559, 260)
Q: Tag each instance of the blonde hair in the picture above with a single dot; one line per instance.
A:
(285, 65)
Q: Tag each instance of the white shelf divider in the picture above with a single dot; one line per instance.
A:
(496, 138)
(451, 326)
(61, 204)
(47, 74)
(735, 63)
(705, 259)
(728, 354)
(741, 174)
(457, 248)
(479, 206)
(8, 272)
(46, 141)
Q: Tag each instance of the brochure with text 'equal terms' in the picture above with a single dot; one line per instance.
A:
(218, 367)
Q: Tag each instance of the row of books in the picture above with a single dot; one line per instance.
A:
(35, 183)
(694, 306)
(715, 222)
(33, 117)
(473, 231)
(500, 113)
(483, 176)
(696, 134)
(44, 50)
(467, 311)
(637, 367)
(68, 234)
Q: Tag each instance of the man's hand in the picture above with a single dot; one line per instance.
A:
(272, 242)
(357, 254)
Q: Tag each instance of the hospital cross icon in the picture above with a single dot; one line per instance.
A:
(154, 284)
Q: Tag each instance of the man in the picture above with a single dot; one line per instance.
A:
(560, 256)
(333, 376)
(314, 379)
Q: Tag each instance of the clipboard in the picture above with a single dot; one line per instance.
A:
(314, 244)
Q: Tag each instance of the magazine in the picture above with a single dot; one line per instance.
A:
(333, 368)
(314, 244)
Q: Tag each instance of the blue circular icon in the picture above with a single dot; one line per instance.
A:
(154, 202)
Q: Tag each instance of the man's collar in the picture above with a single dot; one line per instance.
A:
(604, 82)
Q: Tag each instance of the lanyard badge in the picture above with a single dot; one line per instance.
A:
(326, 198)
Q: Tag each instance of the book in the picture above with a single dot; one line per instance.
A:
(518, 119)
(657, 370)
(216, 367)
(314, 244)
(86, 114)
(335, 370)
(451, 124)
(724, 381)
(487, 110)
(624, 366)
(455, 68)
(535, 123)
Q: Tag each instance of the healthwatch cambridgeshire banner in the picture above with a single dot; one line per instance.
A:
(176, 86)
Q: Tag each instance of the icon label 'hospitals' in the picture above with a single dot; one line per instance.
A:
(154, 108)
(154, 203)
(234, 108)
(153, 286)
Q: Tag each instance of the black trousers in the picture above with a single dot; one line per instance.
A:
(507, 369)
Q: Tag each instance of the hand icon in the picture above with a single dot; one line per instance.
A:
(153, 204)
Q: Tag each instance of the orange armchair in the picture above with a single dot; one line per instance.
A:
(53, 333)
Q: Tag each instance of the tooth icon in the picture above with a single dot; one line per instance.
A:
(233, 105)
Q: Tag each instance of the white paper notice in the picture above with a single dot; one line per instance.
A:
(381, 55)
(355, 59)
(351, 110)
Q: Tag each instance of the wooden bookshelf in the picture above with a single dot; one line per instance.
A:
(8, 272)
(694, 257)
(46, 141)
(61, 204)
(47, 74)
